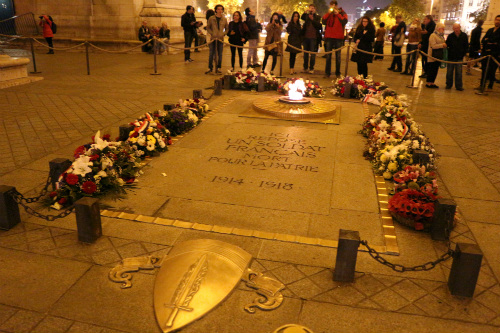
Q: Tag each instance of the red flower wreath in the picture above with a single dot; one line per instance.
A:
(72, 179)
(89, 187)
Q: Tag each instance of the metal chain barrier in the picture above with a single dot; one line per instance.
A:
(19, 198)
(401, 268)
(42, 193)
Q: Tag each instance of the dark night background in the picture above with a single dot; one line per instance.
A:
(350, 5)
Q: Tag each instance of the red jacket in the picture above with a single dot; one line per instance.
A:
(47, 27)
(335, 24)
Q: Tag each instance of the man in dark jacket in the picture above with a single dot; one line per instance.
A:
(490, 46)
(457, 43)
(428, 28)
(475, 40)
(144, 36)
(311, 30)
(397, 62)
(189, 24)
(334, 22)
(253, 38)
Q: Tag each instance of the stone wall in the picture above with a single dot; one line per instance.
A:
(107, 19)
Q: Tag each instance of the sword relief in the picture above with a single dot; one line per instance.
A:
(187, 288)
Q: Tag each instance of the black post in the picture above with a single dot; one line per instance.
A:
(347, 90)
(218, 87)
(261, 84)
(168, 107)
(421, 157)
(33, 57)
(442, 220)
(57, 166)
(124, 132)
(154, 58)
(88, 220)
(414, 69)
(347, 58)
(281, 59)
(87, 56)
(227, 82)
(465, 269)
(347, 253)
(483, 77)
(9, 210)
(197, 94)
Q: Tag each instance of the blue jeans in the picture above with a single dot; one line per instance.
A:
(213, 51)
(457, 68)
(330, 44)
(310, 44)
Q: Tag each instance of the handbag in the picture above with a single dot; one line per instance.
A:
(400, 40)
(438, 53)
(445, 58)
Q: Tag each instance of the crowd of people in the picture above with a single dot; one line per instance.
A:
(308, 31)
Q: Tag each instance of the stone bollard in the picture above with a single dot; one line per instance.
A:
(465, 269)
(9, 210)
(227, 82)
(197, 94)
(347, 253)
(218, 87)
(347, 90)
(168, 107)
(56, 167)
(261, 84)
(442, 220)
(124, 132)
(88, 220)
(421, 157)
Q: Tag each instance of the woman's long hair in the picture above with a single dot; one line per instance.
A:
(360, 27)
(278, 15)
(209, 13)
(241, 17)
(293, 15)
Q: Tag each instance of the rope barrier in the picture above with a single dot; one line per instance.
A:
(122, 51)
(312, 52)
(58, 49)
(378, 54)
(185, 48)
(495, 60)
(454, 62)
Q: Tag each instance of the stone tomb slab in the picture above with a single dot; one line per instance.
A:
(278, 167)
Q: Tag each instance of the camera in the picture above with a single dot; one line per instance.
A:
(310, 12)
(40, 17)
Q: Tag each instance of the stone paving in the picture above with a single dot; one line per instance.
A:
(52, 283)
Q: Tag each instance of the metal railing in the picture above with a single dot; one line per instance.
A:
(22, 25)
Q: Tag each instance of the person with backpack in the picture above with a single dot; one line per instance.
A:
(47, 24)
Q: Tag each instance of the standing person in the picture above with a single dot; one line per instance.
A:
(363, 38)
(428, 28)
(311, 31)
(253, 38)
(398, 40)
(414, 39)
(294, 39)
(144, 36)
(379, 41)
(490, 46)
(189, 24)
(217, 28)
(475, 45)
(334, 22)
(436, 46)
(458, 44)
(274, 29)
(237, 36)
(48, 34)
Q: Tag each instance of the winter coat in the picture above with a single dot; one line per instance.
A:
(274, 35)
(457, 46)
(335, 24)
(294, 37)
(475, 39)
(365, 44)
(491, 42)
(429, 27)
(47, 27)
(240, 31)
(253, 27)
(186, 21)
(217, 32)
(316, 23)
(143, 31)
(435, 42)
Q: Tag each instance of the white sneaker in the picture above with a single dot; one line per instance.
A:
(311, 71)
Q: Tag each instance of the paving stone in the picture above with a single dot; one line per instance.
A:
(106, 257)
(389, 300)
(22, 321)
(131, 250)
(6, 312)
(84, 328)
(52, 325)
(368, 285)
(432, 305)
(304, 288)
(346, 294)
(409, 290)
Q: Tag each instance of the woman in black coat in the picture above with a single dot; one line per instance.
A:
(365, 33)
(294, 39)
(238, 31)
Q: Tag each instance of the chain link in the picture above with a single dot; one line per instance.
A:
(19, 198)
(35, 199)
(400, 268)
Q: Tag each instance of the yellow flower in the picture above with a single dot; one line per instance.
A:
(151, 138)
(383, 158)
(393, 166)
(387, 175)
(133, 140)
(401, 157)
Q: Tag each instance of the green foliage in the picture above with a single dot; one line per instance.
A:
(408, 9)
(230, 6)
